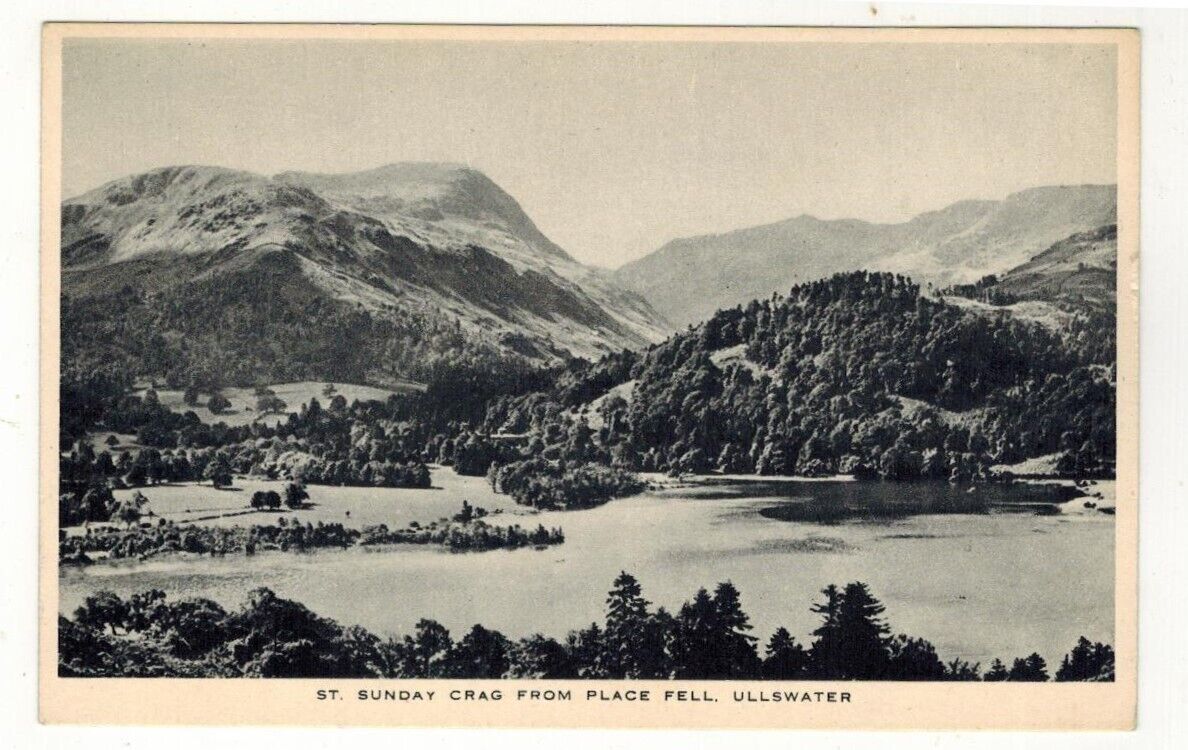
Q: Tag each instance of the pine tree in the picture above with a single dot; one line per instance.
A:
(693, 640)
(996, 673)
(735, 647)
(825, 653)
(785, 659)
(1087, 661)
(1031, 669)
(629, 640)
(862, 634)
(913, 659)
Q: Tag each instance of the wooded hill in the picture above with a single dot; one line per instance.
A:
(859, 373)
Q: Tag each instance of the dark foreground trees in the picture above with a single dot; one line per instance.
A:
(708, 638)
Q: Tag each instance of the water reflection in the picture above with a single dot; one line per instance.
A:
(835, 502)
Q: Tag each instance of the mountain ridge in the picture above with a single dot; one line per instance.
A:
(688, 278)
(401, 236)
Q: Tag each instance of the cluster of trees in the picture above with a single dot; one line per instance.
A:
(708, 638)
(295, 497)
(97, 503)
(166, 537)
(560, 485)
(856, 374)
(354, 444)
(985, 289)
(465, 531)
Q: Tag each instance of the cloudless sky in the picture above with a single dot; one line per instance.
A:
(613, 148)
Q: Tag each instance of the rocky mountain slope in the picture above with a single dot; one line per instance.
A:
(688, 279)
(425, 247)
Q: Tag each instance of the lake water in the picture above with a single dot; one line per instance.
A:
(1014, 577)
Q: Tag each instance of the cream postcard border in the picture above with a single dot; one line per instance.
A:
(872, 705)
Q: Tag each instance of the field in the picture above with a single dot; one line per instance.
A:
(243, 400)
(354, 507)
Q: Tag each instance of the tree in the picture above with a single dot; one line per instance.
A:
(473, 456)
(128, 513)
(102, 609)
(540, 657)
(1031, 669)
(862, 634)
(270, 404)
(104, 466)
(425, 652)
(913, 659)
(629, 643)
(218, 471)
(785, 659)
(218, 403)
(481, 653)
(136, 475)
(959, 670)
(997, 672)
(266, 500)
(190, 396)
(97, 503)
(710, 638)
(1087, 662)
(295, 495)
(693, 637)
(732, 460)
(737, 648)
(825, 653)
(112, 440)
(191, 627)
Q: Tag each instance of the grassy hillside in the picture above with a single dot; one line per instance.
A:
(1080, 269)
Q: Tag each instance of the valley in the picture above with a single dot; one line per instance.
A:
(463, 423)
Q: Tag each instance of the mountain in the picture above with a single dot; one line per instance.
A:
(688, 279)
(1076, 276)
(1081, 269)
(420, 251)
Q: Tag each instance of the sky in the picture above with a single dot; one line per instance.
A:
(613, 148)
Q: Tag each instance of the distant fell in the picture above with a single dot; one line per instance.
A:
(688, 279)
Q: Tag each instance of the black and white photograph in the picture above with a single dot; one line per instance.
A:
(614, 358)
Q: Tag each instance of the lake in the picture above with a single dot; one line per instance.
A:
(997, 574)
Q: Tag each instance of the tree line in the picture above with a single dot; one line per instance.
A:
(465, 531)
(709, 637)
